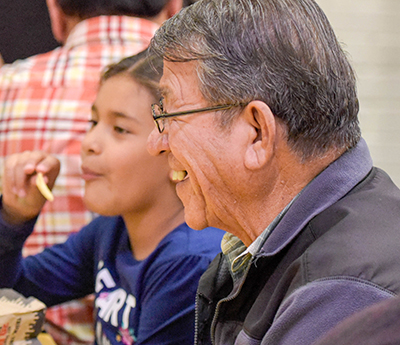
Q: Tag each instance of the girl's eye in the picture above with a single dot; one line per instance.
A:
(120, 130)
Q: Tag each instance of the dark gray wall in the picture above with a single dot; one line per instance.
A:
(24, 29)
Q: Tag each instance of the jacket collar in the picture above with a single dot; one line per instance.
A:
(325, 189)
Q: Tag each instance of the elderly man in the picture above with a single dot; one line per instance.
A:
(259, 118)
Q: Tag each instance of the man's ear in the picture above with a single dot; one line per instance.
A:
(58, 21)
(262, 134)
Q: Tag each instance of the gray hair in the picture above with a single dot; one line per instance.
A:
(282, 52)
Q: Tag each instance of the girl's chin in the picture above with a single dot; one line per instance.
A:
(94, 204)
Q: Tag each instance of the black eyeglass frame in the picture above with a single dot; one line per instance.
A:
(163, 115)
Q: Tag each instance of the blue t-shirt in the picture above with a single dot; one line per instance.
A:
(136, 302)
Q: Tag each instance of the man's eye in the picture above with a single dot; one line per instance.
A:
(92, 123)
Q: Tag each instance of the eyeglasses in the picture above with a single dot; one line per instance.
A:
(159, 115)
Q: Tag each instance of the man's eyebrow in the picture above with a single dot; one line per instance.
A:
(164, 91)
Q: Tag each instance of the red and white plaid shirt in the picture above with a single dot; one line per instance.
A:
(45, 104)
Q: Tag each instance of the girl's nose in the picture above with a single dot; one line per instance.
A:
(91, 143)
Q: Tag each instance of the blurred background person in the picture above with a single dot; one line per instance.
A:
(45, 103)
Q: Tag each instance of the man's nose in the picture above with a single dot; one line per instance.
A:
(157, 142)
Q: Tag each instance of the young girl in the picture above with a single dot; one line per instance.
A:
(139, 257)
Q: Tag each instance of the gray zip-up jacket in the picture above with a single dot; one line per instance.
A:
(335, 251)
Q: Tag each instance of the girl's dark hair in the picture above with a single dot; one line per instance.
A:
(144, 68)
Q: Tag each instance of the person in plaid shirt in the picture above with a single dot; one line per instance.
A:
(45, 104)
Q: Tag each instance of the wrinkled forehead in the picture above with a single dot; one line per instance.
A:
(179, 84)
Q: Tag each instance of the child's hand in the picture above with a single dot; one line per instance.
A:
(22, 199)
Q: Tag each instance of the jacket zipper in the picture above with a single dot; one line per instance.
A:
(196, 318)
(226, 299)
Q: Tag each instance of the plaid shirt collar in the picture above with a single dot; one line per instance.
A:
(109, 29)
(238, 255)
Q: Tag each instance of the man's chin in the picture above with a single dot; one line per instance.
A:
(194, 207)
(196, 222)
